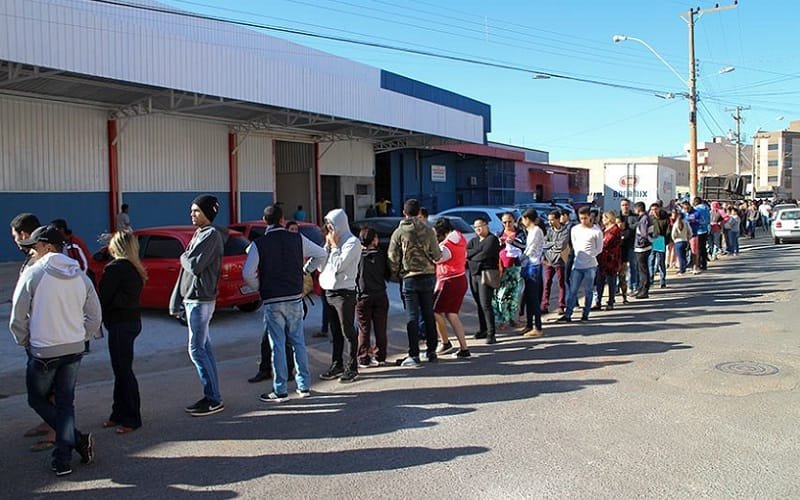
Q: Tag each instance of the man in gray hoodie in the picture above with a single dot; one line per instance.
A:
(196, 291)
(338, 279)
(55, 309)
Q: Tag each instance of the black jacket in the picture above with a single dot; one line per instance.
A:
(483, 254)
(373, 272)
(120, 288)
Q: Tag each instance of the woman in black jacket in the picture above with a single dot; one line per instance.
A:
(483, 254)
(120, 288)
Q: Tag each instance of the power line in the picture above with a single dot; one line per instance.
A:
(367, 43)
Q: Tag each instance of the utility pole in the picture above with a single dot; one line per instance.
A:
(690, 20)
(738, 119)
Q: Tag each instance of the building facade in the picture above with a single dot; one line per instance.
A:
(150, 108)
(776, 166)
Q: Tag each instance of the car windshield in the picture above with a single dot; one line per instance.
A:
(790, 215)
(314, 234)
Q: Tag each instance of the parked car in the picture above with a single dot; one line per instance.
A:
(458, 224)
(160, 249)
(545, 207)
(255, 229)
(471, 213)
(786, 226)
(383, 226)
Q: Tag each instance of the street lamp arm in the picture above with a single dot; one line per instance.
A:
(622, 38)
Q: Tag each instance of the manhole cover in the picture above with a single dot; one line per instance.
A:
(753, 368)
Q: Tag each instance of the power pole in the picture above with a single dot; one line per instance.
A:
(690, 20)
(738, 119)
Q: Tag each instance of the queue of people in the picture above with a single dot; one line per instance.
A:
(510, 275)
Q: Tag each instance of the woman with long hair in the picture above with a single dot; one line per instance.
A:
(119, 290)
(532, 272)
(609, 261)
(681, 235)
(505, 301)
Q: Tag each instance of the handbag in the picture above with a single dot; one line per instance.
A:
(490, 278)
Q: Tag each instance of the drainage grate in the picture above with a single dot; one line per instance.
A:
(752, 368)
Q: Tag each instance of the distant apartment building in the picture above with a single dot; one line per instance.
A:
(776, 166)
(718, 157)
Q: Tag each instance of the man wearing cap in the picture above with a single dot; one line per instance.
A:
(196, 293)
(54, 310)
(22, 226)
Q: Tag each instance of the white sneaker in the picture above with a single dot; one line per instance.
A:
(303, 393)
(410, 362)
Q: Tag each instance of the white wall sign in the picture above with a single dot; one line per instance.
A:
(438, 173)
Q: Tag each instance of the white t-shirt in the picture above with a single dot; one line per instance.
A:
(587, 243)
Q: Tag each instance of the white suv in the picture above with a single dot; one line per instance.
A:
(471, 213)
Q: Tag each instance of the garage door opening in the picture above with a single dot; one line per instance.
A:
(294, 178)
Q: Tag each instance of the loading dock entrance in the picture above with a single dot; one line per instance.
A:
(294, 177)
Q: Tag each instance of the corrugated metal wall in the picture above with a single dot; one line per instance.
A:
(46, 147)
(174, 52)
(169, 154)
(256, 164)
(347, 158)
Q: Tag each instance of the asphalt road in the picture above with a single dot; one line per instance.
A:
(690, 394)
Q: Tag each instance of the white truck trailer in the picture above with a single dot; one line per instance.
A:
(645, 182)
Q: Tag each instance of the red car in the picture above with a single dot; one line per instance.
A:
(160, 249)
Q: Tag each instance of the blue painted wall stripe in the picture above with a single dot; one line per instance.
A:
(426, 92)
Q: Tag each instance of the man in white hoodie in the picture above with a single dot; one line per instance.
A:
(55, 309)
(338, 279)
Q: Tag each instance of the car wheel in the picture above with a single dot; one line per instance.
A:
(777, 240)
(249, 307)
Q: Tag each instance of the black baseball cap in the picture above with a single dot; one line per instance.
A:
(45, 234)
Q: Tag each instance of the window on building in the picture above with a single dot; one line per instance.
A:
(772, 179)
(772, 163)
(773, 147)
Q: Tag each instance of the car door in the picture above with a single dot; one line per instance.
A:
(161, 257)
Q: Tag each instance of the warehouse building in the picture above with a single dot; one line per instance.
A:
(105, 104)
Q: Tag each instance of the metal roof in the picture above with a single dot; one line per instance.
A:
(135, 62)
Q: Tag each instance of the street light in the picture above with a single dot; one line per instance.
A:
(691, 96)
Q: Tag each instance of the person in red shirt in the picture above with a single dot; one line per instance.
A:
(610, 260)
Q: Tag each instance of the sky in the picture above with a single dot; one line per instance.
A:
(567, 118)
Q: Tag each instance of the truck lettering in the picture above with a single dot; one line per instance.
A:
(637, 194)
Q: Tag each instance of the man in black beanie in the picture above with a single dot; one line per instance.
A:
(196, 291)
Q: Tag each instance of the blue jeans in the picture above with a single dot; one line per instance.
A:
(533, 297)
(602, 281)
(680, 251)
(633, 270)
(733, 242)
(716, 244)
(58, 376)
(418, 299)
(284, 321)
(581, 279)
(198, 315)
(656, 263)
(765, 223)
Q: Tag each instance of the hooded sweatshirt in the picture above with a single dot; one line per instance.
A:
(201, 265)
(55, 308)
(413, 249)
(340, 269)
